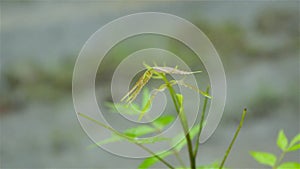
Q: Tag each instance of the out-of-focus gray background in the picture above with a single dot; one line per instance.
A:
(40, 40)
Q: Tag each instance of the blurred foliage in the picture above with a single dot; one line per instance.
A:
(27, 80)
(278, 21)
(273, 35)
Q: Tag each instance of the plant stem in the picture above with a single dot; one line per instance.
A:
(201, 123)
(156, 156)
(179, 158)
(279, 160)
(234, 138)
(127, 138)
(183, 121)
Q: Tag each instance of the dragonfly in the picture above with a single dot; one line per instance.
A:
(157, 72)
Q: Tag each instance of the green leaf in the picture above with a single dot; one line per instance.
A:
(163, 121)
(146, 97)
(148, 162)
(147, 100)
(282, 141)
(132, 109)
(180, 99)
(264, 158)
(112, 139)
(289, 165)
(180, 102)
(128, 138)
(139, 131)
(151, 140)
(117, 138)
(294, 148)
(295, 140)
(214, 165)
(146, 103)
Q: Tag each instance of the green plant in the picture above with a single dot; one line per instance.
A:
(185, 138)
(271, 160)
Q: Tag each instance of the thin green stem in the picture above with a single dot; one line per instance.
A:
(156, 156)
(183, 121)
(234, 138)
(179, 158)
(279, 160)
(127, 138)
(201, 123)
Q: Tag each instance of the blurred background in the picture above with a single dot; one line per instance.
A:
(258, 43)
